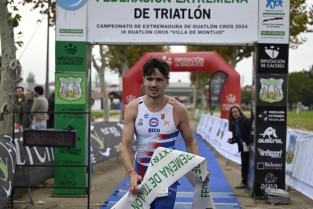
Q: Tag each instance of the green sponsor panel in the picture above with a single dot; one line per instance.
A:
(70, 56)
(70, 96)
(71, 176)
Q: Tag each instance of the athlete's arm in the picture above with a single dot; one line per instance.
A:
(127, 141)
(183, 125)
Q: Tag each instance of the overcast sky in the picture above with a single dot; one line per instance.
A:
(33, 53)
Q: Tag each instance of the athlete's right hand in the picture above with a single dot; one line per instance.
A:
(134, 180)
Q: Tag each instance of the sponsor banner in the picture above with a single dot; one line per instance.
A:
(70, 56)
(299, 166)
(70, 176)
(70, 88)
(172, 22)
(274, 21)
(216, 86)
(215, 131)
(105, 144)
(7, 168)
(106, 141)
(270, 150)
(165, 168)
(271, 114)
(71, 20)
(273, 58)
(271, 90)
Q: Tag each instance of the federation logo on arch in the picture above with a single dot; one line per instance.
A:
(71, 4)
(153, 122)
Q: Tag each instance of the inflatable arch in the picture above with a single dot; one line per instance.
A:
(192, 62)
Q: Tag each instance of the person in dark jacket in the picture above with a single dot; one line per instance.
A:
(24, 114)
(50, 122)
(19, 98)
(240, 126)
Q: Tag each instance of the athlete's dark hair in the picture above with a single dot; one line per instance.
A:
(156, 63)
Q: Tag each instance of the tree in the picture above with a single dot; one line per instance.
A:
(246, 97)
(45, 7)
(200, 81)
(300, 88)
(30, 78)
(119, 58)
(100, 68)
(10, 68)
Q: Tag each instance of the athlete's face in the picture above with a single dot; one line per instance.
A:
(155, 84)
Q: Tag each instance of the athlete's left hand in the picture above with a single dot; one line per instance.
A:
(207, 178)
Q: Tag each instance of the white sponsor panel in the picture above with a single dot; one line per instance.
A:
(274, 21)
(218, 140)
(71, 25)
(299, 164)
(172, 21)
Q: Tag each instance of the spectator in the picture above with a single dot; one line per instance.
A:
(19, 98)
(24, 115)
(50, 121)
(240, 126)
(40, 105)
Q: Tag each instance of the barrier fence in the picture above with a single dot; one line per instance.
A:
(299, 155)
(105, 144)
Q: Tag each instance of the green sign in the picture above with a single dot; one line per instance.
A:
(71, 96)
(70, 56)
(71, 176)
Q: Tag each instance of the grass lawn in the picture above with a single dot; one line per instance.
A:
(99, 114)
(303, 121)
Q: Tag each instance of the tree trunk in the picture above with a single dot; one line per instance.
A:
(105, 98)
(101, 70)
(124, 70)
(195, 91)
(8, 75)
(203, 104)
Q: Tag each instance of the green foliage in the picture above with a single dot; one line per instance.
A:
(300, 88)
(301, 21)
(46, 7)
(30, 78)
(246, 97)
(118, 55)
(204, 80)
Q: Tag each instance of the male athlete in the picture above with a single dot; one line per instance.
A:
(156, 119)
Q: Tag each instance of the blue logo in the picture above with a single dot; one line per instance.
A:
(153, 122)
(153, 130)
(71, 4)
(274, 3)
(146, 115)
